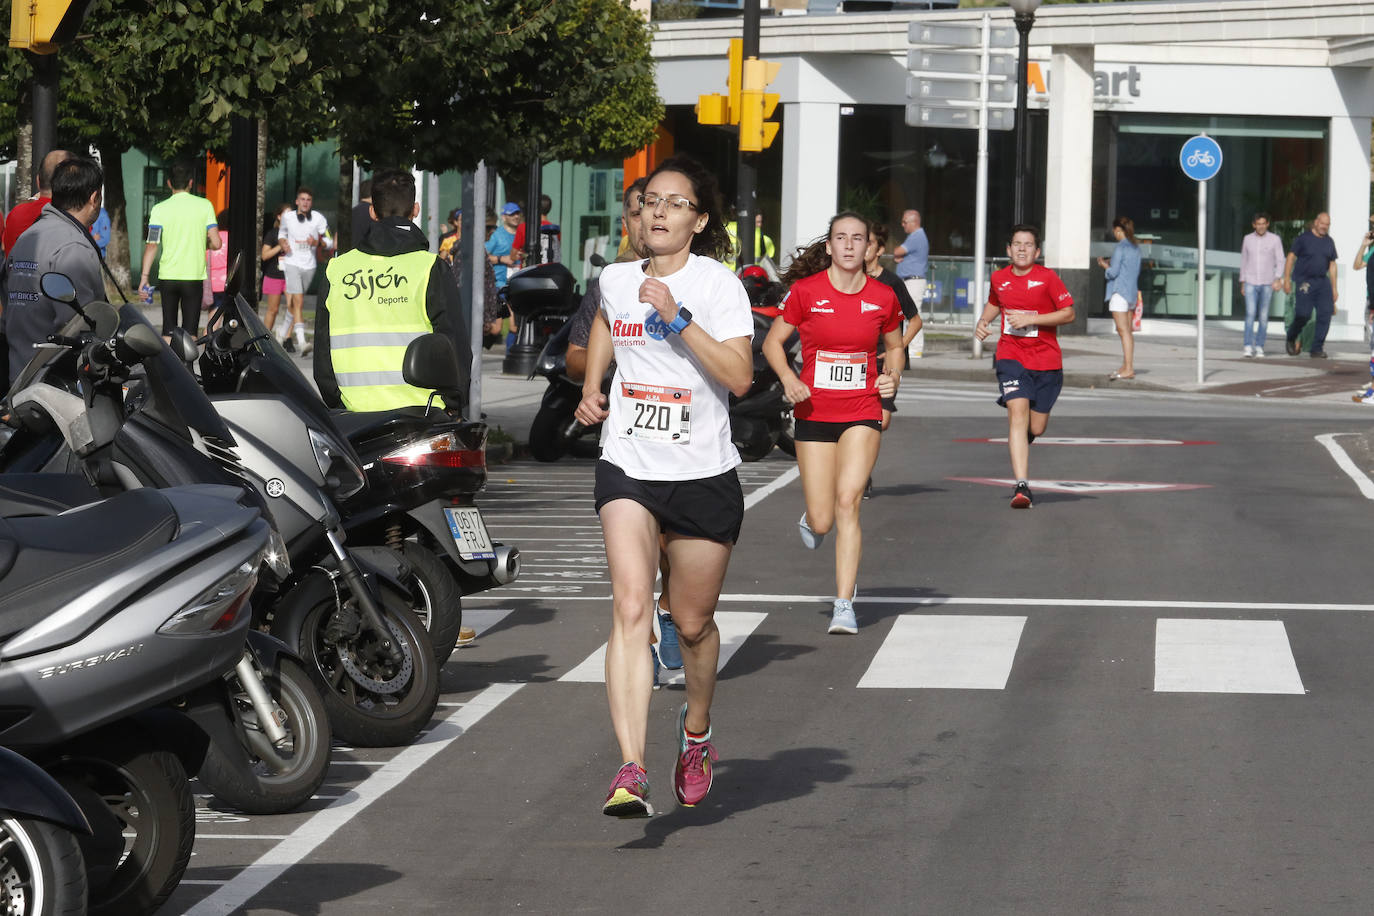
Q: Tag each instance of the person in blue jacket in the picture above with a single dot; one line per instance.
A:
(1123, 286)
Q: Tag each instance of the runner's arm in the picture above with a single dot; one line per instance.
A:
(730, 362)
(895, 363)
(1059, 316)
(774, 350)
(913, 327)
(982, 329)
(592, 409)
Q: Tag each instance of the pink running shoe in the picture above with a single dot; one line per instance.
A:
(629, 793)
(692, 775)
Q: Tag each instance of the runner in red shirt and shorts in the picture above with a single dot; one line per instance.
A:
(1030, 369)
(841, 313)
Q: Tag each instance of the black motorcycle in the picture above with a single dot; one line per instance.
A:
(42, 872)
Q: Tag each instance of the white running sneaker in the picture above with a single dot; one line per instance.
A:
(810, 539)
(842, 619)
(1259, 352)
(1247, 350)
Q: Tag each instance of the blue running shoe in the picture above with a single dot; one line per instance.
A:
(810, 539)
(842, 619)
(669, 652)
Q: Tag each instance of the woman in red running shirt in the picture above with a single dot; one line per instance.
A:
(841, 313)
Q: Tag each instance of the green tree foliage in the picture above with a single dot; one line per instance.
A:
(500, 80)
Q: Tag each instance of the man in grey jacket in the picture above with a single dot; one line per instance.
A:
(58, 241)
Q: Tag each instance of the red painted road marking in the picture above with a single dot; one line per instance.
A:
(1088, 486)
(1051, 440)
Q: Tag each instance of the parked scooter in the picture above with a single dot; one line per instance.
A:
(109, 615)
(269, 735)
(42, 872)
(555, 432)
(417, 514)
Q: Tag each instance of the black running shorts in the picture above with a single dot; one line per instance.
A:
(821, 431)
(710, 507)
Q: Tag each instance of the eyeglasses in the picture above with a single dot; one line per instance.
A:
(674, 201)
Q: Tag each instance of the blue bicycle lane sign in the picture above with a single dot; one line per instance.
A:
(1200, 158)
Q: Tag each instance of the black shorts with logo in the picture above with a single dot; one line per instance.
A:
(1040, 386)
(709, 507)
(825, 431)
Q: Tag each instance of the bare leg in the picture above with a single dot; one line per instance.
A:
(694, 601)
(857, 452)
(1123, 329)
(273, 304)
(1018, 424)
(816, 461)
(631, 534)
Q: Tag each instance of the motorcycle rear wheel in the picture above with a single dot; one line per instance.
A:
(276, 780)
(143, 816)
(41, 870)
(438, 600)
(369, 703)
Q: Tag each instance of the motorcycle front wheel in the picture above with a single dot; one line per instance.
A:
(142, 815)
(41, 870)
(277, 778)
(371, 701)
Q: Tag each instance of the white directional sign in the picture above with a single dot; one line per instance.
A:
(924, 89)
(958, 63)
(966, 36)
(924, 116)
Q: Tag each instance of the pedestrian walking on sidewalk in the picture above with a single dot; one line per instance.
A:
(1123, 287)
(1362, 257)
(678, 325)
(841, 313)
(184, 226)
(1033, 303)
(1311, 269)
(1261, 275)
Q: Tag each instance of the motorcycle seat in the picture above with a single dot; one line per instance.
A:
(47, 562)
(43, 494)
(358, 427)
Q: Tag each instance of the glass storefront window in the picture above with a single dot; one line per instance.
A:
(1275, 165)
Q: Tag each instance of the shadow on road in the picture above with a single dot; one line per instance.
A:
(743, 785)
(307, 890)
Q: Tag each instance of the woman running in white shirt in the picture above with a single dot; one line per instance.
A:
(678, 325)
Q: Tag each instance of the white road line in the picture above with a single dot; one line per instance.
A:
(1224, 656)
(240, 836)
(483, 619)
(762, 493)
(200, 881)
(926, 601)
(951, 653)
(735, 627)
(326, 822)
(1345, 463)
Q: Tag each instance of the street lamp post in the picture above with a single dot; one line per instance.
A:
(1025, 18)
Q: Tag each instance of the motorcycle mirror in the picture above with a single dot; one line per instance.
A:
(597, 260)
(143, 340)
(58, 286)
(184, 345)
(235, 282)
(102, 317)
(431, 362)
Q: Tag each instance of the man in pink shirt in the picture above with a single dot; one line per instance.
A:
(1261, 272)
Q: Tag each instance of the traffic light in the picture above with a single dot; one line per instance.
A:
(41, 25)
(756, 132)
(724, 109)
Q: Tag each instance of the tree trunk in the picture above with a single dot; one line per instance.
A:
(23, 166)
(343, 232)
(116, 204)
(262, 171)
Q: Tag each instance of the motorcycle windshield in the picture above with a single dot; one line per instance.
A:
(174, 395)
(45, 357)
(270, 371)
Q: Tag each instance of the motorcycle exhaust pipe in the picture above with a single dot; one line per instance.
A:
(262, 703)
(506, 566)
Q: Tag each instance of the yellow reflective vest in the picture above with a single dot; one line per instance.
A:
(376, 308)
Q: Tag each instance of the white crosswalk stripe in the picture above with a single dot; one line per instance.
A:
(1224, 656)
(946, 651)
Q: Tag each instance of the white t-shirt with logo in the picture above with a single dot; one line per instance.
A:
(301, 254)
(669, 419)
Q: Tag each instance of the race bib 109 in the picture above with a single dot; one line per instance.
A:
(1030, 330)
(841, 371)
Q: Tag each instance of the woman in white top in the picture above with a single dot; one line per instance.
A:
(678, 325)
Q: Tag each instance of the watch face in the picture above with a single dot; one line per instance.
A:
(686, 315)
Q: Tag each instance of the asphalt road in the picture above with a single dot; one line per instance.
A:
(1148, 694)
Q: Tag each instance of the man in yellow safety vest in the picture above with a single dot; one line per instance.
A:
(376, 299)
